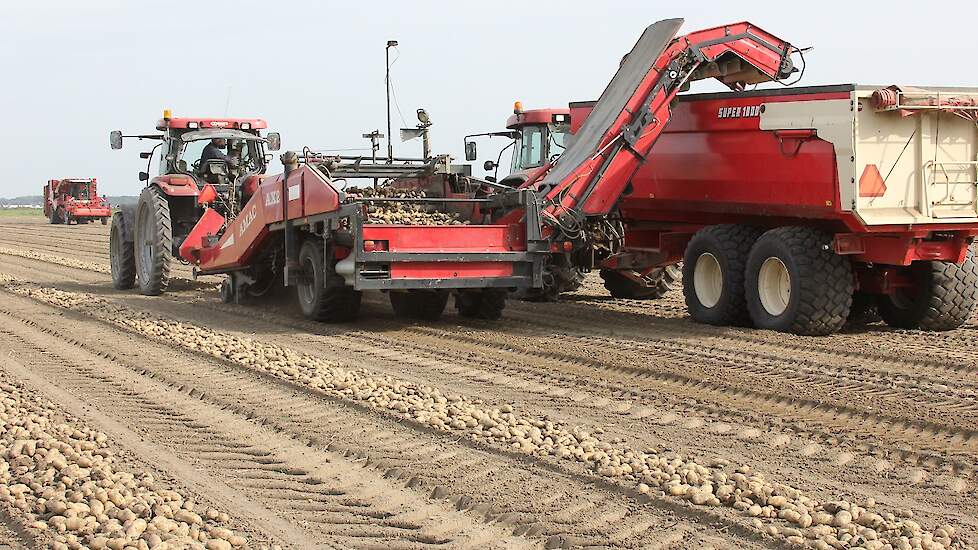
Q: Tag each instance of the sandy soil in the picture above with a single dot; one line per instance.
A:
(883, 420)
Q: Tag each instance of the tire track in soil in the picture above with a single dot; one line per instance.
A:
(871, 451)
(488, 483)
(327, 495)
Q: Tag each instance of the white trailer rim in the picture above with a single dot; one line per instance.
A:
(707, 280)
(774, 286)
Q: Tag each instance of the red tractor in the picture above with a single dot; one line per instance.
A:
(75, 200)
(193, 170)
(538, 138)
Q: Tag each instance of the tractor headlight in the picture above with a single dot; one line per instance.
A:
(245, 126)
(192, 125)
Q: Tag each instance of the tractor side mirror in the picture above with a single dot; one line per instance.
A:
(489, 166)
(146, 155)
(274, 140)
(471, 151)
(115, 139)
(143, 176)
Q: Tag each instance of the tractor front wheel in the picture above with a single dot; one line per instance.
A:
(426, 305)
(154, 241)
(122, 257)
(323, 294)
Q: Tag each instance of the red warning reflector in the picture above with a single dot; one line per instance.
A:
(871, 183)
(207, 194)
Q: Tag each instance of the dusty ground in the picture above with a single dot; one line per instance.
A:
(298, 455)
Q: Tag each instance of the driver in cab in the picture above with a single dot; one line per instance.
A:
(215, 151)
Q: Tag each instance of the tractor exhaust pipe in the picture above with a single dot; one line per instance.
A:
(290, 161)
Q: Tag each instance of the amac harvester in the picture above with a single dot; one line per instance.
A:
(303, 226)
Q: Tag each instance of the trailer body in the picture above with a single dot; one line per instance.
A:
(75, 200)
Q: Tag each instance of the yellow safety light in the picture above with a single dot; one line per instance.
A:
(167, 114)
(518, 107)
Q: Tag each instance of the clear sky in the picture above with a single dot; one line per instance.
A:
(74, 70)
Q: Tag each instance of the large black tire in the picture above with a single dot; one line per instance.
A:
(481, 304)
(65, 217)
(658, 282)
(153, 237)
(322, 294)
(122, 256)
(713, 274)
(797, 283)
(944, 296)
(427, 305)
(55, 217)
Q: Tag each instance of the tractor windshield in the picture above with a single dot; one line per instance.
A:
(248, 151)
(537, 144)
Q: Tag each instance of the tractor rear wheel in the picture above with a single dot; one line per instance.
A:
(659, 281)
(427, 305)
(323, 295)
(154, 241)
(713, 274)
(796, 283)
(481, 304)
(943, 296)
(122, 258)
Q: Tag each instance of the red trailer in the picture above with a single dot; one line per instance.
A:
(795, 208)
(75, 200)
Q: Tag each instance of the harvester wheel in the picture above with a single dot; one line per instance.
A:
(105, 221)
(55, 217)
(154, 241)
(713, 274)
(797, 283)
(481, 304)
(659, 281)
(943, 296)
(122, 258)
(227, 290)
(323, 295)
(557, 279)
(427, 305)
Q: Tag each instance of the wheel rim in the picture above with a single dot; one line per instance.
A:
(305, 287)
(147, 251)
(708, 280)
(774, 286)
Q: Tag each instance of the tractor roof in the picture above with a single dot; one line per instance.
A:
(195, 123)
(536, 116)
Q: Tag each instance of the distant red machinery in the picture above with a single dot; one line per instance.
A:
(75, 200)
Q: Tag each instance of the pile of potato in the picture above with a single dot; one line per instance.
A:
(51, 258)
(401, 213)
(772, 508)
(64, 478)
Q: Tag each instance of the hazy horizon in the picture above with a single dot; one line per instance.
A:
(316, 72)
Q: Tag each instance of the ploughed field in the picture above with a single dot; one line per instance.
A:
(179, 421)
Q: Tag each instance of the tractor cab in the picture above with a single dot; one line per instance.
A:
(538, 137)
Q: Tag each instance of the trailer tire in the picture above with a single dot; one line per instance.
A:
(426, 305)
(323, 295)
(659, 282)
(946, 297)
(713, 274)
(153, 236)
(797, 284)
(481, 304)
(122, 255)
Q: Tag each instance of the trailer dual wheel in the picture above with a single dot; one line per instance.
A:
(122, 259)
(154, 240)
(659, 281)
(943, 296)
(796, 283)
(713, 274)
(481, 304)
(323, 295)
(427, 305)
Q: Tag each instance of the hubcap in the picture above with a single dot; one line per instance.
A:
(708, 280)
(774, 286)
